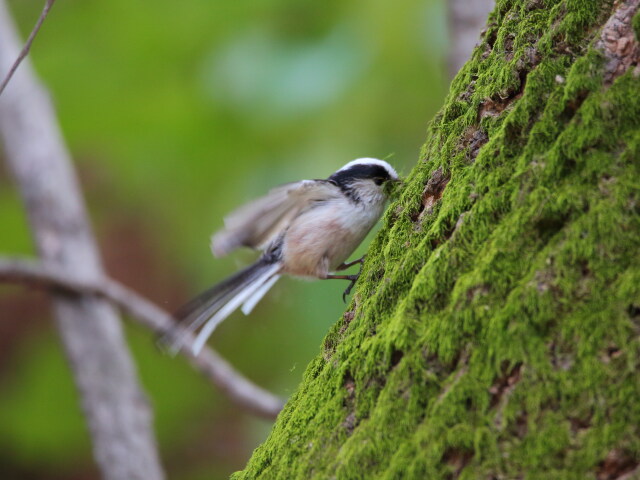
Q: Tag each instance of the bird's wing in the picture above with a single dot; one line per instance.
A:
(259, 222)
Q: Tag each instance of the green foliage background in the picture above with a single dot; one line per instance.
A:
(176, 112)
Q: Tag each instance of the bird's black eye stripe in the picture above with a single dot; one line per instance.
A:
(360, 172)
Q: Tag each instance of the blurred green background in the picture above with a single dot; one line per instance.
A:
(175, 113)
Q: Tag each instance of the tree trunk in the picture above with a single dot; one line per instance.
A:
(495, 331)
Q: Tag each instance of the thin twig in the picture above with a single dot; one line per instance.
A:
(240, 390)
(27, 46)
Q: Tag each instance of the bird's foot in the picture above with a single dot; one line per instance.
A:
(352, 278)
(344, 266)
(347, 291)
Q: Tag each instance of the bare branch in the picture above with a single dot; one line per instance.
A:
(240, 390)
(117, 412)
(27, 46)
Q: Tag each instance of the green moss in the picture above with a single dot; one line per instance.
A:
(496, 334)
(635, 23)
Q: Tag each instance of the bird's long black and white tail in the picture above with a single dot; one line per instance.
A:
(212, 306)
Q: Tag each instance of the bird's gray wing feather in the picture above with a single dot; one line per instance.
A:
(259, 222)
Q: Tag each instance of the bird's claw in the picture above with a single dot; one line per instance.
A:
(348, 289)
(354, 278)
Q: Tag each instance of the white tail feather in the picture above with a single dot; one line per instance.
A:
(253, 300)
(242, 296)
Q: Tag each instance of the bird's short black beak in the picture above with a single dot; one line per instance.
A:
(392, 185)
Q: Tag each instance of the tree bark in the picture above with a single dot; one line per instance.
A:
(116, 408)
(495, 331)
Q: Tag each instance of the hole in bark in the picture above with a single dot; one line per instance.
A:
(584, 267)
(491, 36)
(547, 226)
(568, 165)
(396, 356)
(431, 194)
(612, 351)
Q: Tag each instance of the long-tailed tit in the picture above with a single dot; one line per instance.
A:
(304, 229)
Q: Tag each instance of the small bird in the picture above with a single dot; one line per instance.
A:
(305, 229)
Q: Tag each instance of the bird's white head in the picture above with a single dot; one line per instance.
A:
(363, 166)
(364, 179)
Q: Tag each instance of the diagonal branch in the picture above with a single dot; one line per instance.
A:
(210, 363)
(27, 45)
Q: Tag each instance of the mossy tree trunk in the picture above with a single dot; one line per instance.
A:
(495, 332)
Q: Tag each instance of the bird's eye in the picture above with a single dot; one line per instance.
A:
(378, 180)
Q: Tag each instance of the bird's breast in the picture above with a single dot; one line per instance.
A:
(322, 238)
